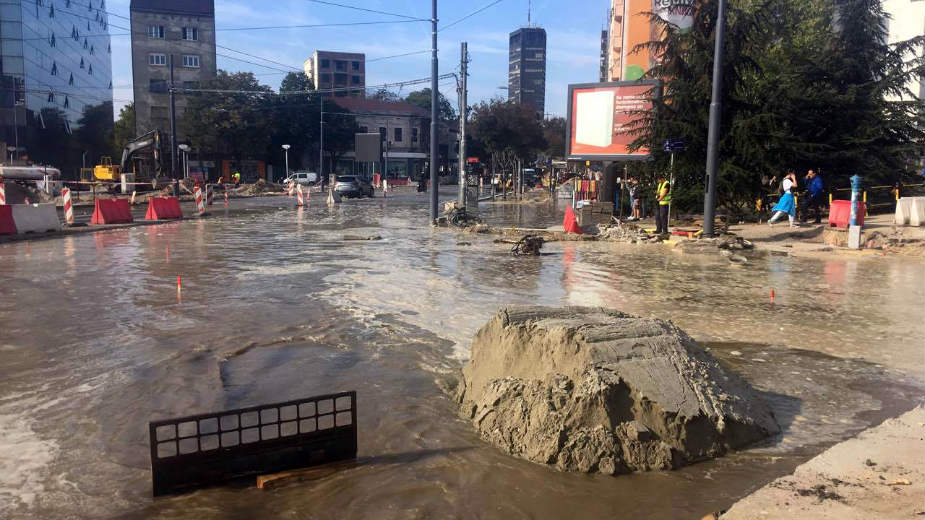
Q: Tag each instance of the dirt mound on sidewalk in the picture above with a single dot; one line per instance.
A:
(593, 390)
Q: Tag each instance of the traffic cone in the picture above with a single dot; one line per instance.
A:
(570, 223)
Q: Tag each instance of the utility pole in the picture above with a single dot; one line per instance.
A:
(709, 202)
(434, 95)
(463, 113)
(173, 124)
(321, 144)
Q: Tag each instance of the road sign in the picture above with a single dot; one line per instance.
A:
(674, 145)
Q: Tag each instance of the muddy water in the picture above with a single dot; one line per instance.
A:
(276, 305)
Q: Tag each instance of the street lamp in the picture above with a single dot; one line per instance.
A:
(286, 148)
(185, 148)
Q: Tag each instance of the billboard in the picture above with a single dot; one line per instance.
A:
(600, 117)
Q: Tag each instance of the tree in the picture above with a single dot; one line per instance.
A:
(507, 131)
(94, 135)
(385, 95)
(806, 85)
(296, 82)
(236, 124)
(421, 98)
(340, 130)
(124, 128)
(554, 134)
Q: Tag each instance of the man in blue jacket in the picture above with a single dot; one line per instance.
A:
(815, 197)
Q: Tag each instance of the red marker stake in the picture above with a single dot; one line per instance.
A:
(772, 296)
(179, 284)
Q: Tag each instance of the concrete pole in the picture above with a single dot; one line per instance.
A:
(434, 96)
(463, 113)
(321, 143)
(173, 125)
(709, 202)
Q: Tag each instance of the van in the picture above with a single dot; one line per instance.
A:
(304, 178)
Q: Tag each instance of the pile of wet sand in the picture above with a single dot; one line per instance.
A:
(594, 390)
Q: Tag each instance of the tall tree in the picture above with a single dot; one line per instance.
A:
(507, 131)
(421, 98)
(124, 128)
(554, 134)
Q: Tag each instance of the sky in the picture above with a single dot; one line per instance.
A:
(572, 31)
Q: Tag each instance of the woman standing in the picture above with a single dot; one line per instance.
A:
(786, 206)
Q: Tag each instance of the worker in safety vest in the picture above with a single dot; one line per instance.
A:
(236, 178)
(663, 196)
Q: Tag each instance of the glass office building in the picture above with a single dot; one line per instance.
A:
(55, 57)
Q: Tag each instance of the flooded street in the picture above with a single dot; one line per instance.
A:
(276, 305)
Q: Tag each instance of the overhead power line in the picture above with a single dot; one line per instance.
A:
(397, 56)
(325, 2)
(470, 15)
(398, 84)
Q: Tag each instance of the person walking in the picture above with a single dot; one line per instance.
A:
(815, 197)
(236, 178)
(633, 188)
(663, 196)
(785, 205)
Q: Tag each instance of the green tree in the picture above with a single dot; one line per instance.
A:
(421, 98)
(385, 95)
(123, 129)
(296, 82)
(506, 131)
(94, 135)
(554, 134)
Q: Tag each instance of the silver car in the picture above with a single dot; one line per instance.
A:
(352, 186)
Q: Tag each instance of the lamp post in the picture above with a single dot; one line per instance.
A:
(286, 148)
(185, 149)
(709, 201)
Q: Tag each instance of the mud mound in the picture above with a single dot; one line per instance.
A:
(592, 390)
(16, 194)
(261, 187)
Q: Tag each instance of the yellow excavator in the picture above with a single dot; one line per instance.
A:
(106, 171)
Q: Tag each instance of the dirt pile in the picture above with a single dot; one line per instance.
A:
(17, 193)
(593, 390)
(260, 187)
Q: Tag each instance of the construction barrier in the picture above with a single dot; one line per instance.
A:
(35, 218)
(840, 213)
(68, 206)
(111, 211)
(301, 197)
(2, 192)
(910, 211)
(7, 224)
(200, 204)
(570, 223)
(163, 208)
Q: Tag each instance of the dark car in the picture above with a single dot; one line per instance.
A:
(352, 186)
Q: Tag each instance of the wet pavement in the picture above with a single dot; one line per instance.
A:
(276, 306)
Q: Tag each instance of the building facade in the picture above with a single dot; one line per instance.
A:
(54, 56)
(165, 30)
(404, 129)
(345, 72)
(527, 67)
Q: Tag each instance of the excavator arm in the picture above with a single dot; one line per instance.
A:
(151, 139)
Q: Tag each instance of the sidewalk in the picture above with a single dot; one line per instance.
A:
(878, 474)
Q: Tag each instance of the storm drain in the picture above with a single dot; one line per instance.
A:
(207, 449)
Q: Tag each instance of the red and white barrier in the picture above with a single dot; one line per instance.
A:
(68, 206)
(385, 188)
(210, 196)
(226, 197)
(200, 204)
(292, 188)
(2, 192)
(301, 201)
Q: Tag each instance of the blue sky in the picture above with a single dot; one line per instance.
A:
(572, 27)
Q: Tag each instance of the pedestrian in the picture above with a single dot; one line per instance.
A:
(236, 178)
(635, 201)
(785, 205)
(815, 197)
(663, 197)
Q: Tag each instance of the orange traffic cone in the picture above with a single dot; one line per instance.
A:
(570, 223)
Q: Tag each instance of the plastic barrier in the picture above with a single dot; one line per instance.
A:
(7, 224)
(915, 210)
(35, 218)
(68, 206)
(111, 211)
(840, 213)
(570, 223)
(903, 211)
(163, 208)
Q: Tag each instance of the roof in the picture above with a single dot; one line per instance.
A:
(188, 7)
(359, 105)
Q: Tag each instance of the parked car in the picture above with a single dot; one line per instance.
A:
(304, 178)
(352, 186)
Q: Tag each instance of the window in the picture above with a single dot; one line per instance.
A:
(325, 64)
(82, 65)
(340, 66)
(51, 11)
(382, 134)
(90, 70)
(355, 80)
(54, 68)
(67, 102)
(75, 34)
(51, 97)
(86, 44)
(191, 61)
(354, 65)
(92, 50)
(398, 135)
(414, 135)
(158, 86)
(364, 130)
(191, 34)
(71, 80)
(157, 59)
(156, 31)
(51, 40)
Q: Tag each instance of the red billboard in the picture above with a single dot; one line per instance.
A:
(601, 116)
